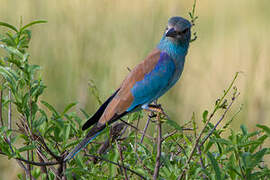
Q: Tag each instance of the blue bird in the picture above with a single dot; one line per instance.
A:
(149, 80)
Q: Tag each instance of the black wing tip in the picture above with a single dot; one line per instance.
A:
(86, 125)
(94, 119)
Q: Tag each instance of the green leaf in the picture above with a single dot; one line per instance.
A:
(8, 26)
(264, 128)
(258, 156)
(68, 107)
(244, 129)
(208, 145)
(25, 100)
(3, 129)
(94, 91)
(27, 148)
(15, 61)
(214, 165)
(51, 108)
(32, 23)
(84, 113)
(260, 141)
(174, 124)
(39, 121)
(37, 89)
(6, 72)
(187, 140)
(144, 149)
(205, 114)
(67, 132)
(221, 141)
(33, 68)
(12, 50)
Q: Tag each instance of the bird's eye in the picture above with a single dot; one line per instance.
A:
(184, 31)
(166, 28)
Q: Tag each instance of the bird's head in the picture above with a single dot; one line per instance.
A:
(178, 30)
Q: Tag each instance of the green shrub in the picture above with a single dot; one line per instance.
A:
(38, 137)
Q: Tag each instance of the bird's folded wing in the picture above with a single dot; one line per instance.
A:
(146, 82)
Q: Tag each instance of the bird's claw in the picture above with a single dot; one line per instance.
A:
(156, 109)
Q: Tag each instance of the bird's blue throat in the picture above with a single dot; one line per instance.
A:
(176, 50)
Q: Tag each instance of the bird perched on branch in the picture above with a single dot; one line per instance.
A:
(149, 80)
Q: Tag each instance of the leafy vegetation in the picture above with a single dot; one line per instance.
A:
(35, 134)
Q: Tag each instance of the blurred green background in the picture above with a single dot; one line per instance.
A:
(98, 40)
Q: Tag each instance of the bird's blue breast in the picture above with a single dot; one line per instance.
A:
(155, 83)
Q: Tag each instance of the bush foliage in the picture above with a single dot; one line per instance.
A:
(38, 136)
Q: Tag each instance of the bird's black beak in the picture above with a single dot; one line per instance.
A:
(171, 33)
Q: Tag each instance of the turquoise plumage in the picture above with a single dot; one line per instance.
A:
(149, 80)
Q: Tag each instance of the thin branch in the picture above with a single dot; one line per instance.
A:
(120, 166)
(174, 132)
(33, 162)
(146, 126)
(30, 153)
(221, 118)
(27, 172)
(28, 165)
(150, 137)
(181, 149)
(18, 161)
(1, 112)
(159, 142)
(121, 158)
(62, 167)
(206, 124)
(136, 134)
(24, 127)
(201, 160)
(44, 158)
(45, 146)
(42, 168)
(143, 164)
(9, 109)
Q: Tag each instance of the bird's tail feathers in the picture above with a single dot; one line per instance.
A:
(93, 133)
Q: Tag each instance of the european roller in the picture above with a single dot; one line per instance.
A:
(149, 80)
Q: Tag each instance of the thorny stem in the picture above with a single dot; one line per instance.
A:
(159, 142)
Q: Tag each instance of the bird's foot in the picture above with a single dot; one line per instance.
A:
(155, 108)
